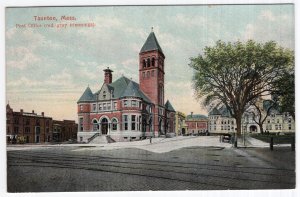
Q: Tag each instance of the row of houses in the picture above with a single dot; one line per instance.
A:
(30, 127)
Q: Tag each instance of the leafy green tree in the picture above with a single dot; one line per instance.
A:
(284, 92)
(235, 74)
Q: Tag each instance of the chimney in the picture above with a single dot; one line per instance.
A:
(107, 76)
(33, 111)
(21, 110)
(42, 113)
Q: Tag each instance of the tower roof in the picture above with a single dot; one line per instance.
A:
(151, 44)
(86, 96)
(168, 106)
(215, 111)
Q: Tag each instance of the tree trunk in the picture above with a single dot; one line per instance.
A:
(238, 125)
(261, 129)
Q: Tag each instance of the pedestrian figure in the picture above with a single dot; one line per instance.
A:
(150, 140)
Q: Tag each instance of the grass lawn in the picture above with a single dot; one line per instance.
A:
(277, 139)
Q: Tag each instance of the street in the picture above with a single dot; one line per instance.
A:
(90, 168)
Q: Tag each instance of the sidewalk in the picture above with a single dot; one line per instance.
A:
(158, 145)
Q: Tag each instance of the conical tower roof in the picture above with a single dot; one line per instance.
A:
(168, 106)
(151, 44)
(86, 96)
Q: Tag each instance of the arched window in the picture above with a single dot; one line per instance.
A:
(148, 74)
(153, 61)
(144, 63)
(114, 124)
(148, 62)
(95, 125)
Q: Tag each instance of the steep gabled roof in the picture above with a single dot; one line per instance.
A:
(124, 87)
(168, 106)
(87, 96)
(215, 111)
(151, 44)
(224, 111)
(119, 86)
(131, 90)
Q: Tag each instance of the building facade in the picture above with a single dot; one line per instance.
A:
(220, 121)
(180, 125)
(197, 124)
(125, 110)
(24, 127)
(64, 130)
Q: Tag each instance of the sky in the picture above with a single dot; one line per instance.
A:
(48, 69)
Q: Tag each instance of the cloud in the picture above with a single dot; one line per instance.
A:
(23, 82)
(268, 26)
(21, 57)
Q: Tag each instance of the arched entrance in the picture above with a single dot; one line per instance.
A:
(183, 131)
(253, 128)
(104, 126)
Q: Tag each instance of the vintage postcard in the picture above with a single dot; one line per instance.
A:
(150, 98)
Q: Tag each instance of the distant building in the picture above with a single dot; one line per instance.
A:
(25, 127)
(220, 121)
(124, 110)
(196, 124)
(64, 130)
(274, 123)
(180, 125)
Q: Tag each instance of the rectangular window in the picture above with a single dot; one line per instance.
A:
(16, 120)
(81, 124)
(100, 107)
(140, 121)
(108, 106)
(104, 106)
(133, 122)
(276, 127)
(81, 107)
(115, 105)
(125, 103)
(94, 107)
(125, 122)
(37, 130)
(133, 103)
(16, 130)
(27, 121)
(277, 120)
(290, 127)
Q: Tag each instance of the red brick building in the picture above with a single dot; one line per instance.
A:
(24, 127)
(196, 124)
(64, 130)
(126, 110)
